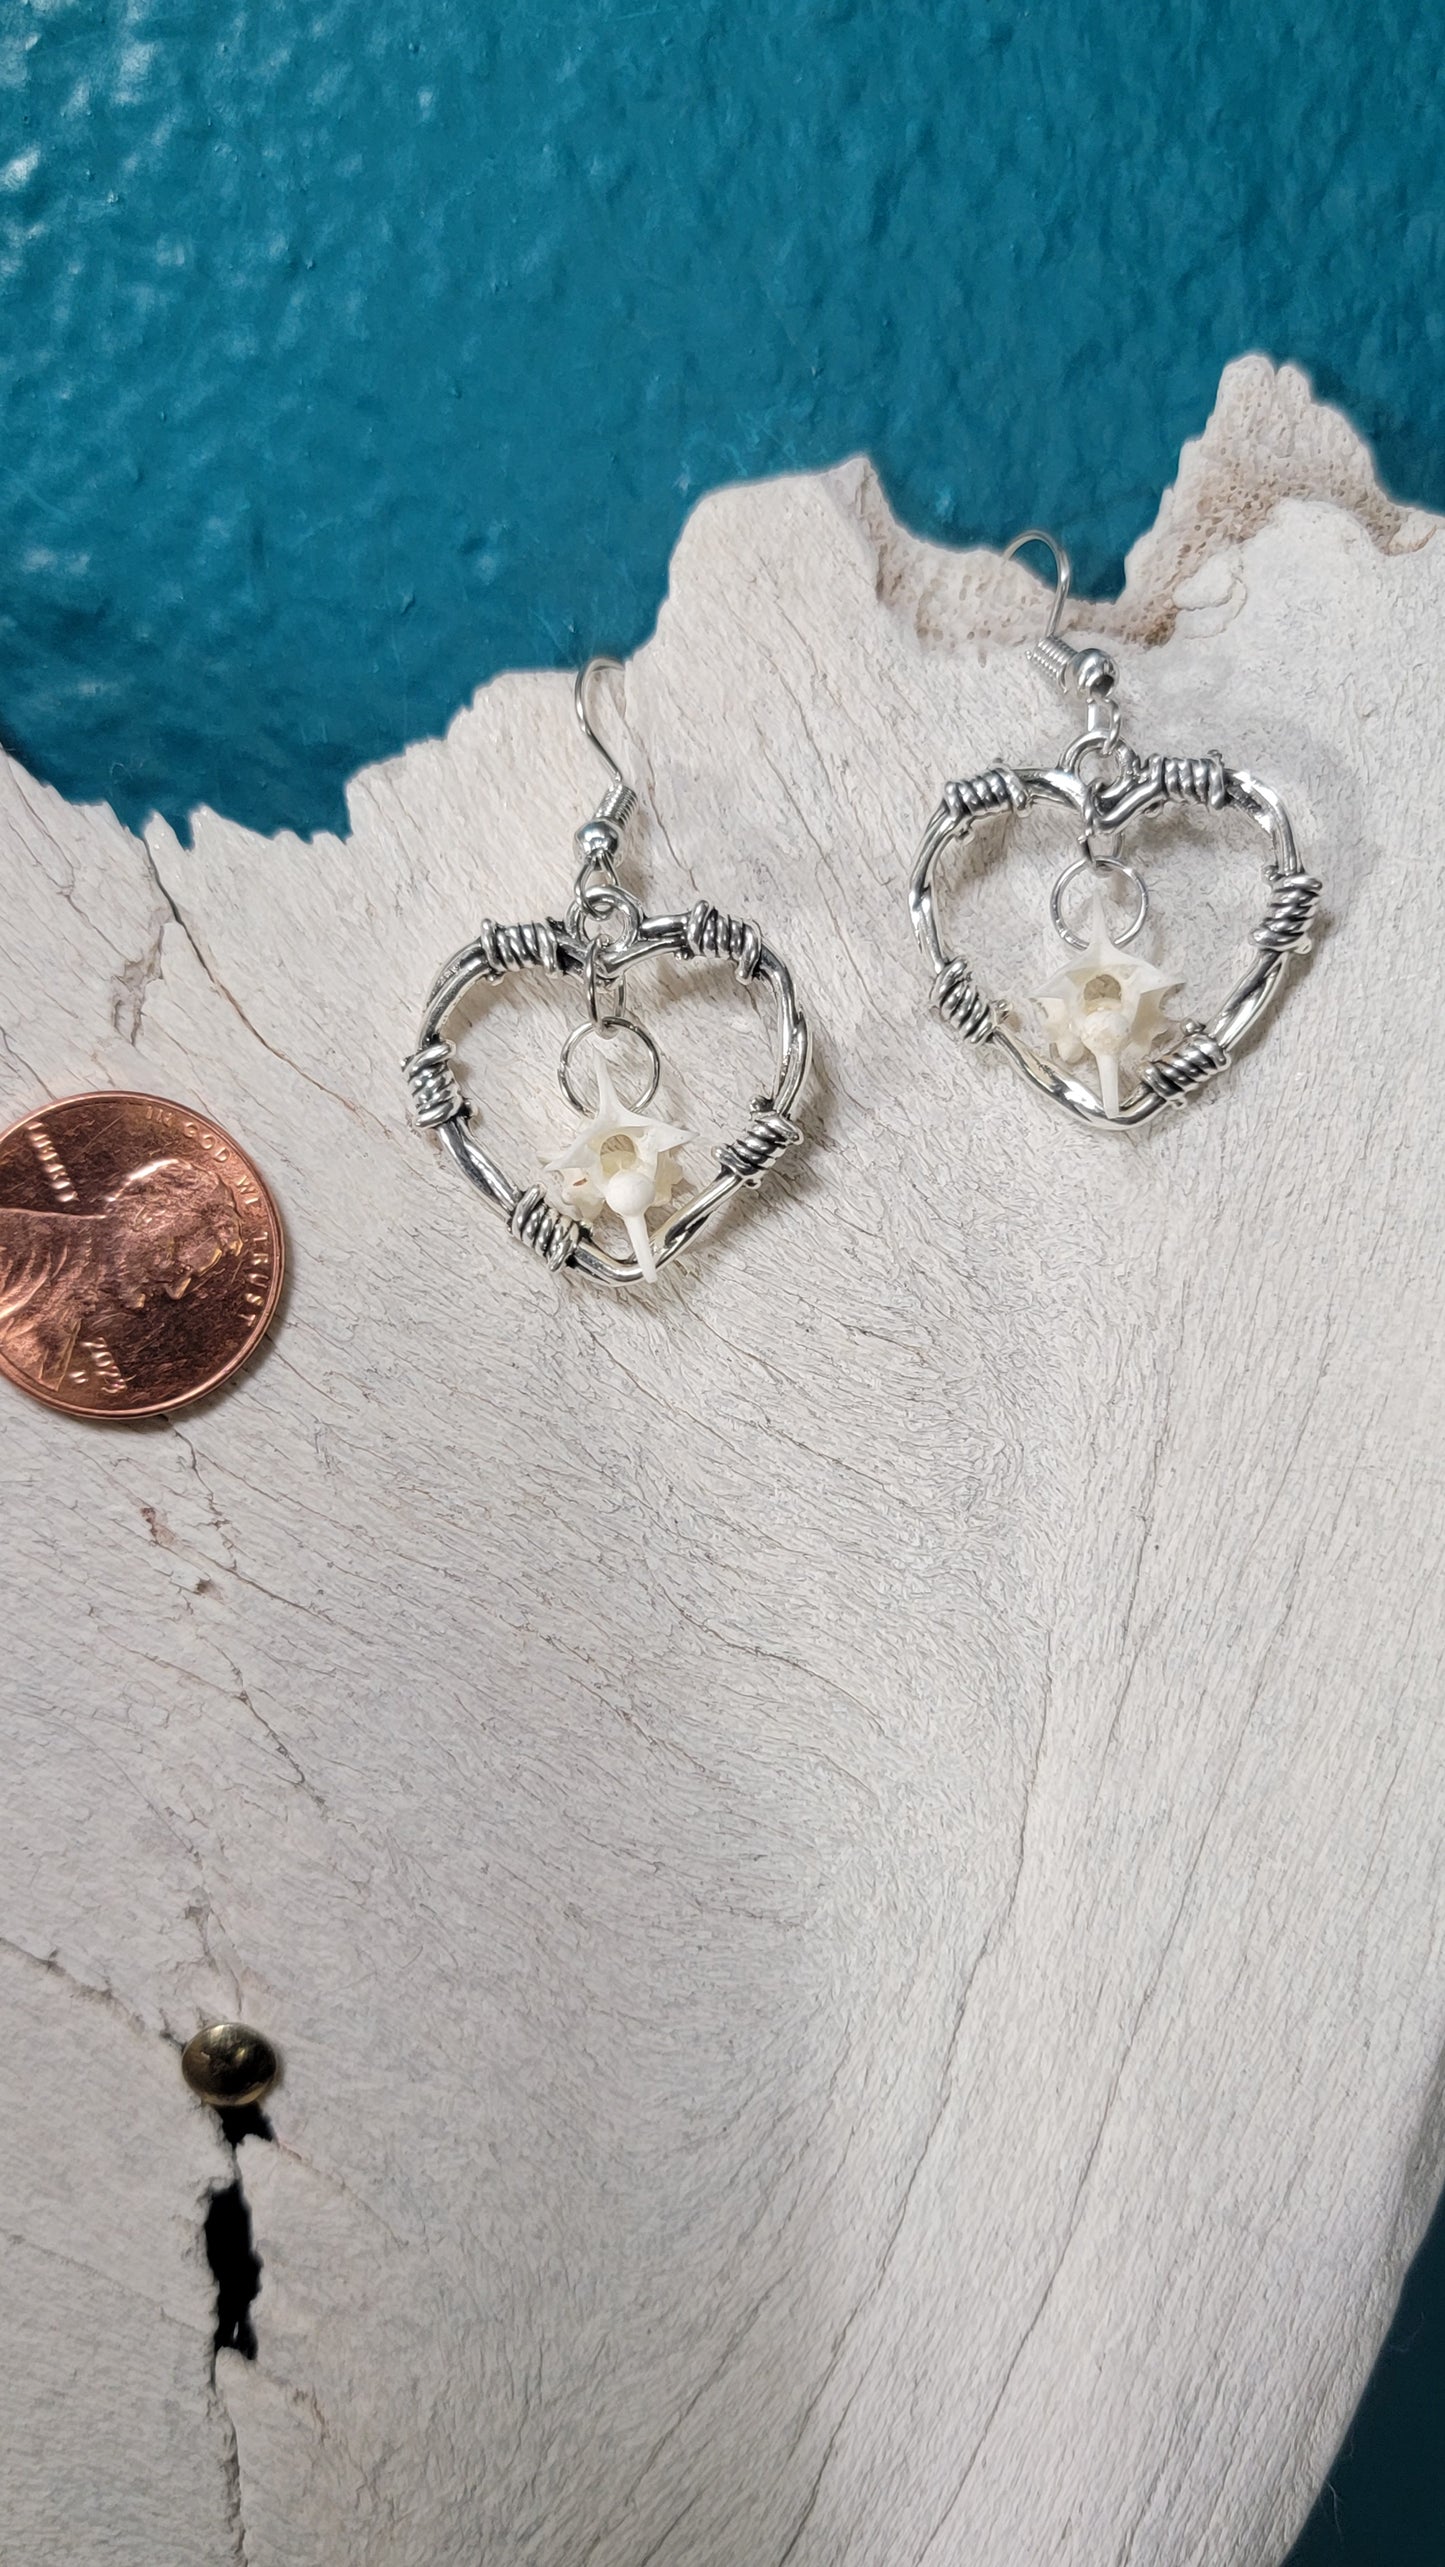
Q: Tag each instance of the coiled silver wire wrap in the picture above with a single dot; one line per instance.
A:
(1088, 673)
(508, 949)
(554, 1236)
(1191, 1062)
(435, 1095)
(736, 940)
(1054, 659)
(999, 790)
(1149, 784)
(961, 1003)
(1201, 780)
(617, 805)
(768, 1135)
(492, 953)
(1292, 899)
(1101, 808)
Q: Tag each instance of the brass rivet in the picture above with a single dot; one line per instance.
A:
(229, 2063)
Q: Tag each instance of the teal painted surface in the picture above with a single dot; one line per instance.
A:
(1384, 2501)
(353, 352)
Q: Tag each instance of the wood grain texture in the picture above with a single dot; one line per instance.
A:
(843, 1855)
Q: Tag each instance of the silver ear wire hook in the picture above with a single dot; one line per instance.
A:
(602, 914)
(1089, 673)
(1063, 573)
(620, 801)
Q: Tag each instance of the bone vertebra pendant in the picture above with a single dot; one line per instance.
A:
(1106, 1004)
(620, 1161)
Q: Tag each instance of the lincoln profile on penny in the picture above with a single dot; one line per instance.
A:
(67, 1277)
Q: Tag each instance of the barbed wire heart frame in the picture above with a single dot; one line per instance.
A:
(1146, 787)
(702, 933)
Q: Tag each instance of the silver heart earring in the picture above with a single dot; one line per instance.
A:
(620, 1167)
(1106, 1008)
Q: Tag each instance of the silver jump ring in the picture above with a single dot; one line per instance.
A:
(1096, 865)
(603, 1033)
(607, 900)
(595, 905)
(1103, 743)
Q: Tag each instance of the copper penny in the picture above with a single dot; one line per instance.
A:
(140, 1255)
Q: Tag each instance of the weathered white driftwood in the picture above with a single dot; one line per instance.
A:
(844, 1855)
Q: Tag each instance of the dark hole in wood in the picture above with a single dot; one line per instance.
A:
(243, 2121)
(230, 2248)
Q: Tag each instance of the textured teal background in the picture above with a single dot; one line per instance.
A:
(1384, 2502)
(353, 352)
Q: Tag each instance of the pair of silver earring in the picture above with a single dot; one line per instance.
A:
(1113, 1057)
